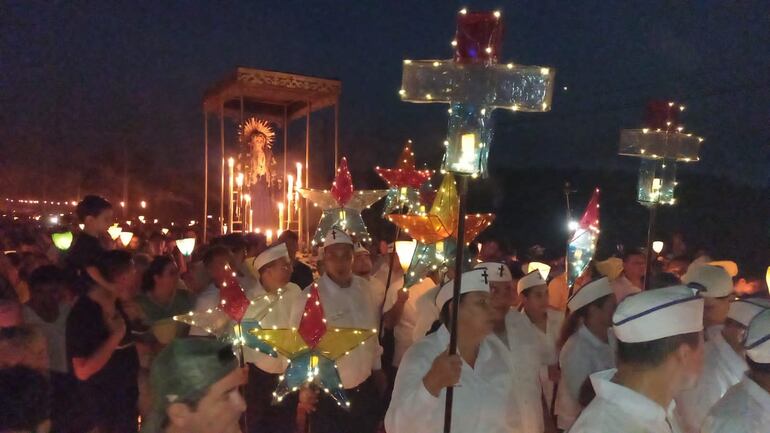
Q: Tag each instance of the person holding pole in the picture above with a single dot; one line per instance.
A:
(480, 372)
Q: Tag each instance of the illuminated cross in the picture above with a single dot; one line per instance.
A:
(486, 276)
(660, 145)
(474, 84)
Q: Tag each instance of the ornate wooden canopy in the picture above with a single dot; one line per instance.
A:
(266, 94)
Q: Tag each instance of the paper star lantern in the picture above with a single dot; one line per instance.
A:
(342, 205)
(235, 316)
(436, 231)
(312, 349)
(404, 182)
(583, 241)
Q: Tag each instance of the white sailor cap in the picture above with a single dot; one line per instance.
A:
(730, 266)
(757, 342)
(711, 281)
(532, 279)
(743, 310)
(271, 254)
(476, 280)
(498, 272)
(590, 292)
(658, 313)
(337, 236)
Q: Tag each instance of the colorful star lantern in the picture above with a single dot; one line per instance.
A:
(235, 316)
(342, 205)
(583, 241)
(474, 84)
(660, 145)
(312, 350)
(404, 182)
(436, 231)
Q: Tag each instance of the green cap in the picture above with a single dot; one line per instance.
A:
(184, 371)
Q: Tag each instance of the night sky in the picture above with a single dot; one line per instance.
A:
(82, 81)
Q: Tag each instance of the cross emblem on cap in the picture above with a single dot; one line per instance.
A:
(334, 234)
(502, 269)
(485, 275)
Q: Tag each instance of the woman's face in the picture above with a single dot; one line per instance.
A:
(536, 301)
(476, 318)
(502, 298)
(168, 279)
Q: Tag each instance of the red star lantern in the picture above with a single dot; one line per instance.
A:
(232, 299)
(313, 326)
(405, 174)
(342, 187)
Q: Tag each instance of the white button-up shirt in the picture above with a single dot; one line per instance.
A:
(528, 354)
(403, 332)
(619, 409)
(279, 315)
(744, 409)
(349, 307)
(722, 368)
(582, 355)
(482, 399)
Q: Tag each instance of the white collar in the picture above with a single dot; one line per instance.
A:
(329, 283)
(590, 337)
(757, 393)
(630, 401)
(735, 364)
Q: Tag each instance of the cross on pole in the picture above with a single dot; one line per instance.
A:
(474, 84)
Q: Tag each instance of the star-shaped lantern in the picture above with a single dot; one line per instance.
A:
(235, 316)
(583, 241)
(342, 205)
(436, 231)
(312, 350)
(404, 182)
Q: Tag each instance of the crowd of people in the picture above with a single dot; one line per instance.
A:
(88, 340)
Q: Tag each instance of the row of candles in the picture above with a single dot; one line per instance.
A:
(240, 206)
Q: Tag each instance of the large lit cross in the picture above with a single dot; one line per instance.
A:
(474, 84)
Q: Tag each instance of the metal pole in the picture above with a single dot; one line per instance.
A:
(650, 235)
(307, 172)
(205, 173)
(463, 190)
(222, 151)
(285, 153)
(336, 133)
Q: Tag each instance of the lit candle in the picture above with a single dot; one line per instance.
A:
(269, 236)
(289, 201)
(467, 151)
(247, 211)
(280, 216)
(231, 164)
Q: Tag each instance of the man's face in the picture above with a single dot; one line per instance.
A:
(362, 264)
(277, 273)
(338, 261)
(217, 412)
(715, 310)
(476, 315)
(47, 295)
(101, 222)
(218, 268)
(635, 266)
(692, 365)
(536, 300)
(607, 310)
(126, 283)
(502, 297)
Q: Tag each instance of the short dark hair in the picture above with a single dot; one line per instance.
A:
(156, 267)
(287, 235)
(627, 254)
(114, 263)
(46, 275)
(653, 353)
(215, 251)
(91, 206)
(25, 401)
(233, 241)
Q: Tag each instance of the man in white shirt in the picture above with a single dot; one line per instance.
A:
(746, 406)
(347, 303)
(216, 261)
(659, 354)
(631, 280)
(526, 349)
(724, 364)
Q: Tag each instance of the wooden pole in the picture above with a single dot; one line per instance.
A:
(307, 172)
(222, 151)
(463, 192)
(205, 174)
(649, 252)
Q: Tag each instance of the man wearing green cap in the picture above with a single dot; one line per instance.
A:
(195, 388)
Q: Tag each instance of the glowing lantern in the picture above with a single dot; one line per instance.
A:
(541, 267)
(114, 231)
(62, 240)
(164, 231)
(405, 251)
(657, 246)
(767, 278)
(186, 246)
(125, 238)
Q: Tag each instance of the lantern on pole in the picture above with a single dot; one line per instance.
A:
(62, 240)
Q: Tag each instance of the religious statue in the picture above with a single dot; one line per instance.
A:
(256, 160)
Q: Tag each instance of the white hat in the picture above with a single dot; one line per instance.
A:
(589, 293)
(659, 313)
(337, 236)
(265, 257)
(743, 310)
(730, 266)
(757, 337)
(476, 280)
(711, 281)
(360, 248)
(498, 272)
(530, 280)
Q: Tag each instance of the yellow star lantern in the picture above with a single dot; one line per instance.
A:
(312, 349)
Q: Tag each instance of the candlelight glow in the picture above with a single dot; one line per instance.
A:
(657, 246)
(143, 204)
(186, 246)
(405, 251)
(125, 238)
(114, 231)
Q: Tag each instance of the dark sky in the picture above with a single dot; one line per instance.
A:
(80, 81)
